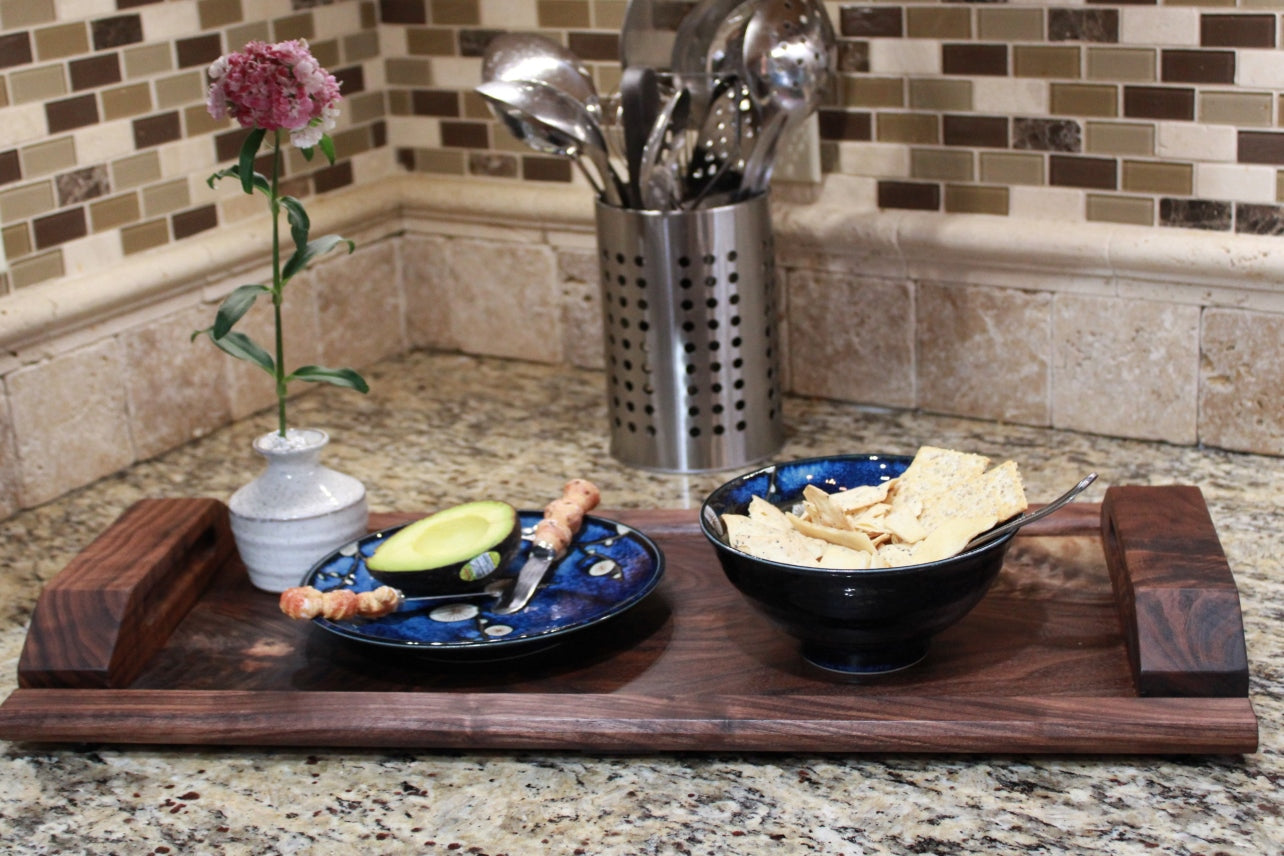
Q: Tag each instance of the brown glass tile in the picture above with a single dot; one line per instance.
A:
(853, 56)
(156, 130)
(467, 135)
(227, 145)
(101, 70)
(1083, 25)
(1071, 171)
(940, 94)
(942, 164)
(188, 223)
(1103, 208)
(1159, 102)
(594, 46)
(938, 22)
(474, 42)
(976, 199)
(59, 228)
(434, 102)
(1174, 179)
(218, 13)
(1261, 147)
(1045, 61)
(431, 41)
(144, 236)
(133, 99)
(916, 128)
(352, 79)
(198, 50)
(15, 49)
(1010, 168)
(10, 166)
(369, 15)
(63, 40)
(459, 13)
(909, 195)
(81, 185)
(301, 26)
(492, 164)
(1046, 135)
(871, 21)
(1123, 65)
(1210, 214)
(563, 14)
(1256, 219)
(1084, 99)
(1235, 108)
(114, 212)
(403, 11)
(71, 113)
(974, 59)
(977, 131)
(1010, 25)
(537, 168)
(873, 91)
(1186, 66)
(844, 125)
(117, 31)
(1237, 31)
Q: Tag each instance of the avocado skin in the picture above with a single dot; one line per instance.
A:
(462, 573)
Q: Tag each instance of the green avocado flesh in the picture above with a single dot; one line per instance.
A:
(449, 539)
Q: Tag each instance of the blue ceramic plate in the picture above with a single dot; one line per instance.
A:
(609, 568)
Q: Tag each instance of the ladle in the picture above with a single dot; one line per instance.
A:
(1017, 522)
(529, 56)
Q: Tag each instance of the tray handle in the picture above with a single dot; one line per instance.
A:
(1177, 599)
(100, 621)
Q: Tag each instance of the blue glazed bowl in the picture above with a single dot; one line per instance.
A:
(850, 623)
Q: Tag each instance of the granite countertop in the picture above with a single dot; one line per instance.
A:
(438, 429)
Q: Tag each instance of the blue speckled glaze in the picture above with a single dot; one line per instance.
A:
(609, 568)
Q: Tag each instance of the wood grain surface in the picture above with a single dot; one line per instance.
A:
(1043, 664)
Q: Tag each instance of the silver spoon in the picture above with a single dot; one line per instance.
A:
(529, 56)
(550, 121)
(1017, 522)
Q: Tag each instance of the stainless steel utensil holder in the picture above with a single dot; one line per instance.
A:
(692, 347)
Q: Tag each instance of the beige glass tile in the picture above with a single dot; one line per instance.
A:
(164, 198)
(1081, 99)
(365, 107)
(938, 22)
(16, 240)
(16, 14)
(292, 27)
(135, 170)
(1010, 25)
(4, 93)
(180, 89)
(27, 201)
(38, 84)
(62, 40)
(1011, 168)
(239, 37)
(144, 236)
(608, 14)
(218, 13)
(114, 211)
(197, 120)
(564, 14)
(941, 164)
(1279, 185)
(944, 95)
(1126, 65)
(146, 60)
(430, 41)
(1173, 179)
(474, 106)
(446, 161)
(873, 92)
(1106, 208)
(34, 269)
(1119, 138)
(326, 53)
(975, 199)
(133, 99)
(1251, 109)
(360, 46)
(464, 13)
(53, 155)
(1046, 61)
(908, 128)
(408, 72)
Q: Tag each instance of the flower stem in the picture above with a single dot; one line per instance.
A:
(277, 284)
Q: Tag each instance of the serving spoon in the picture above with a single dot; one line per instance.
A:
(1017, 522)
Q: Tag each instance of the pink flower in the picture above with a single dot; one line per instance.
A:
(275, 87)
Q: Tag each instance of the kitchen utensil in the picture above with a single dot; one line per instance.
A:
(700, 41)
(551, 538)
(658, 183)
(639, 104)
(1017, 522)
(551, 121)
(788, 58)
(529, 56)
(717, 158)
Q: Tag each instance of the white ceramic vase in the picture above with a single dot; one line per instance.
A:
(296, 511)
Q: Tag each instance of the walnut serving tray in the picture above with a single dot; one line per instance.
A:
(1113, 628)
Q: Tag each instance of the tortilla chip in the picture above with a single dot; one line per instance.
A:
(950, 538)
(845, 537)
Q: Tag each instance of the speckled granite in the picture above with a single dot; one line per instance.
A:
(438, 429)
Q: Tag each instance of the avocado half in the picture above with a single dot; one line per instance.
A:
(455, 550)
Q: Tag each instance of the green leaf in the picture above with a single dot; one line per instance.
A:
(234, 306)
(327, 148)
(299, 222)
(305, 254)
(346, 378)
(249, 149)
(242, 347)
(260, 182)
(307, 154)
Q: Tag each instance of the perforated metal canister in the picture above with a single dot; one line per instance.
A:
(690, 311)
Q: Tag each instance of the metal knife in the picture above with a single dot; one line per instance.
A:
(542, 557)
(563, 517)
